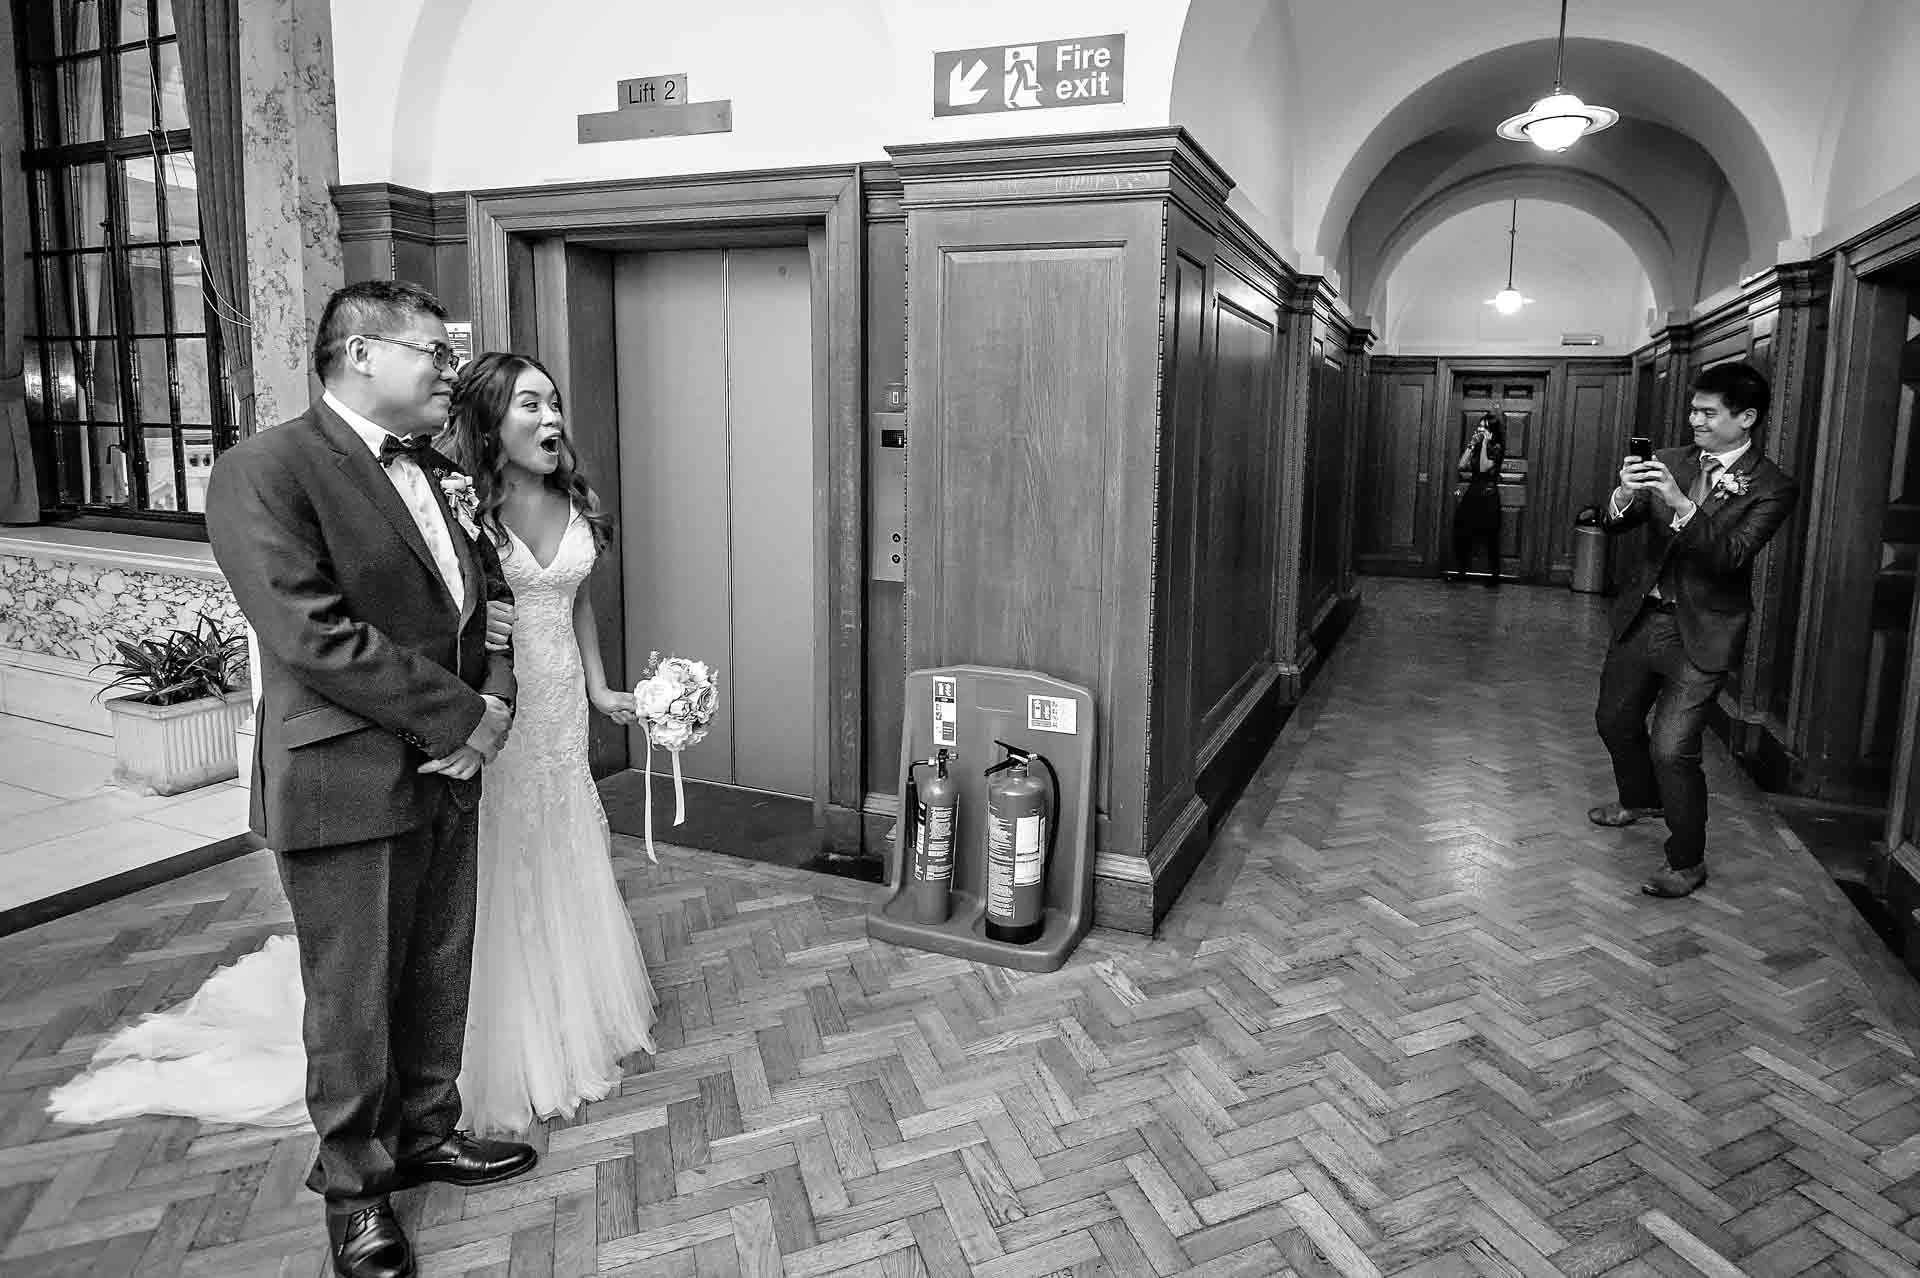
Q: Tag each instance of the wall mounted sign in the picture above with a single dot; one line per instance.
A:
(653, 91)
(460, 337)
(1087, 71)
(655, 106)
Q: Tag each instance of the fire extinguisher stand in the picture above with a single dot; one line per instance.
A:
(974, 712)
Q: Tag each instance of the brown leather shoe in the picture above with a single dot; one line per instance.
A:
(1614, 815)
(463, 1159)
(369, 1244)
(1672, 883)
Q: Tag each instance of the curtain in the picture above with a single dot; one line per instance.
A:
(209, 33)
(19, 495)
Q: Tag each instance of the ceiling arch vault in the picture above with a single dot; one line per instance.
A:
(1590, 193)
(1651, 90)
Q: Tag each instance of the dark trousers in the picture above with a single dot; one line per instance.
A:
(1659, 766)
(386, 952)
(1469, 535)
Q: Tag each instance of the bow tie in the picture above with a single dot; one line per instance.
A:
(418, 447)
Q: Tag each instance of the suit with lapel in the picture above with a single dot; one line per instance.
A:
(367, 671)
(1711, 559)
(1671, 650)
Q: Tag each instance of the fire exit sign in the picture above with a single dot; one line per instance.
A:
(1086, 71)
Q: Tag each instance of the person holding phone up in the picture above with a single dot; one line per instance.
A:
(1476, 514)
(1681, 622)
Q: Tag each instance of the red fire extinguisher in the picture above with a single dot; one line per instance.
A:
(1023, 816)
(933, 811)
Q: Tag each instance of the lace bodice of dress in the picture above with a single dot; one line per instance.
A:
(551, 702)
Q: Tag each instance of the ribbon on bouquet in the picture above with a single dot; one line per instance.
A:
(679, 797)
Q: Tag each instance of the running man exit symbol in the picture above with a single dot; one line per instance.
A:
(1086, 71)
(1023, 84)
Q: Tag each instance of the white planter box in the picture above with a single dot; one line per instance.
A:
(170, 749)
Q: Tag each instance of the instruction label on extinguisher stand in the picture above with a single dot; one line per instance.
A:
(1051, 714)
(946, 714)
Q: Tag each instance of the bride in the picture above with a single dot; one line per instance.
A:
(560, 993)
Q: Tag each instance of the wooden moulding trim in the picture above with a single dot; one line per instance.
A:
(1892, 242)
(881, 190)
(379, 210)
(1240, 239)
(1253, 689)
(693, 201)
(1127, 867)
(1070, 167)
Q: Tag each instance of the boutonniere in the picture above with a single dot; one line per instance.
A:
(1732, 482)
(462, 500)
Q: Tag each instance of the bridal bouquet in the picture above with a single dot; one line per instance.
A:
(674, 701)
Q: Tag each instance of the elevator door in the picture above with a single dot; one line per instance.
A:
(715, 381)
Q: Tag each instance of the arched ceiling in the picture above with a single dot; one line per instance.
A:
(1578, 273)
(1657, 189)
(1615, 208)
(1463, 103)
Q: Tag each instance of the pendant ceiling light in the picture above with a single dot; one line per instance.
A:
(1560, 119)
(1508, 300)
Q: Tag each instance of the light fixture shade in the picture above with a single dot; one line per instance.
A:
(1508, 301)
(1556, 122)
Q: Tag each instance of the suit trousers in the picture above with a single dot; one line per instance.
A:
(385, 929)
(1658, 766)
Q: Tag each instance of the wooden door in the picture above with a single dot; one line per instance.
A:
(1401, 474)
(1518, 400)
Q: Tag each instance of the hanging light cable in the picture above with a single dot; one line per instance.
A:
(1560, 119)
(1508, 300)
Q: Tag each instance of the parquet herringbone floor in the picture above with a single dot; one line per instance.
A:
(1411, 1017)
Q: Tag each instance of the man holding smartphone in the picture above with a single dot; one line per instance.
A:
(1680, 623)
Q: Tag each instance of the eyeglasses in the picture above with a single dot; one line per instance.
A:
(444, 356)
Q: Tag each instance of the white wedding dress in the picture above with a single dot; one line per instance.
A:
(560, 992)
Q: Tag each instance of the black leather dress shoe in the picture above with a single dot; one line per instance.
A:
(1672, 883)
(369, 1244)
(462, 1159)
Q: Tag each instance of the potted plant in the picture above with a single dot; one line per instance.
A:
(189, 693)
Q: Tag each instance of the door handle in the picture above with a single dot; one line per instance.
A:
(1422, 477)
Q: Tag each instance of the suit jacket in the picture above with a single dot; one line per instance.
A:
(367, 669)
(1712, 557)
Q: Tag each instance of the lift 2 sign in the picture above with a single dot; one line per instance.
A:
(1089, 71)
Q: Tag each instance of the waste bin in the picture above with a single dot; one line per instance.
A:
(1589, 554)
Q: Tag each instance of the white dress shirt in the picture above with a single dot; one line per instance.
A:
(416, 492)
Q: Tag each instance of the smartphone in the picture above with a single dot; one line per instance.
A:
(1640, 446)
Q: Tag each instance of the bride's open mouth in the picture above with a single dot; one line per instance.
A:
(551, 445)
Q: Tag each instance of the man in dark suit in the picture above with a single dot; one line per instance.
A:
(380, 702)
(1679, 626)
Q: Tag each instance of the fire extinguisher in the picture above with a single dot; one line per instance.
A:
(933, 810)
(1023, 817)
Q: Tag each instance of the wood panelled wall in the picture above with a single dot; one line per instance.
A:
(1407, 478)
(1133, 456)
(1128, 433)
(1778, 322)
(392, 232)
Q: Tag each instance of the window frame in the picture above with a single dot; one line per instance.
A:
(66, 484)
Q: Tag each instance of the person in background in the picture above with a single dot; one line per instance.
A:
(1476, 515)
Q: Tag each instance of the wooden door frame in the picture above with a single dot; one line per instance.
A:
(1448, 376)
(506, 228)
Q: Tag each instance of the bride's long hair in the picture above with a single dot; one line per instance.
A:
(482, 393)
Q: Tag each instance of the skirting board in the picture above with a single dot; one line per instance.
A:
(58, 690)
